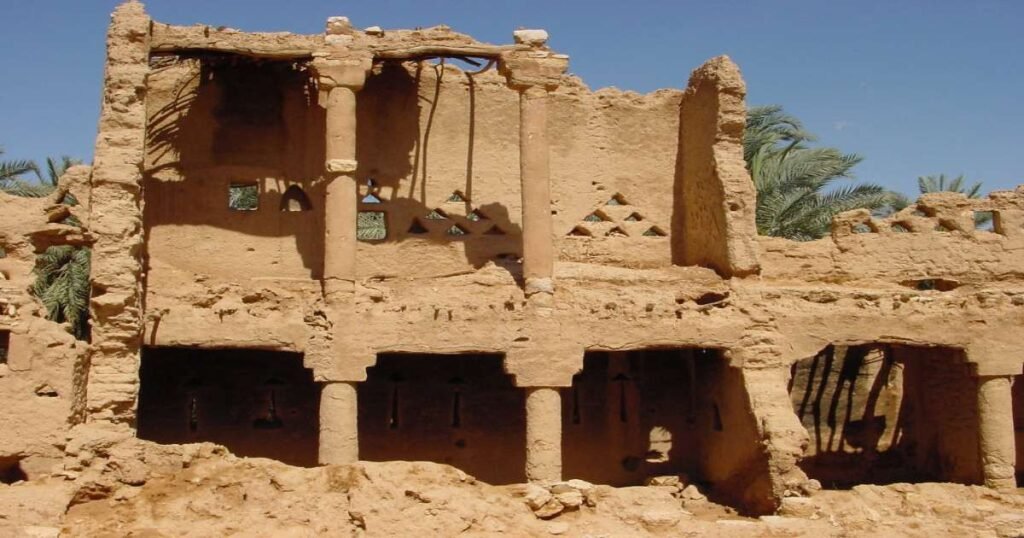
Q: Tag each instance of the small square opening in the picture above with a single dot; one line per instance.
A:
(243, 196)
(371, 226)
(985, 221)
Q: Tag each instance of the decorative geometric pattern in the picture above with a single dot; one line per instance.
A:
(449, 222)
(616, 218)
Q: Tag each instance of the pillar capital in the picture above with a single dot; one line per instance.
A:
(342, 70)
(525, 69)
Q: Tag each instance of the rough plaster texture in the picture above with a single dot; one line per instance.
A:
(714, 224)
(652, 248)
(883, 414)
(115, 219)
(43, 371)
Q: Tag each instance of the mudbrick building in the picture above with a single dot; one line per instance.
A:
(324, 248)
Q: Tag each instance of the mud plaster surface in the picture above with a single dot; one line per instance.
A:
(175, 267)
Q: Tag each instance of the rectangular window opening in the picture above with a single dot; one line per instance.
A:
(985, 221)
(5, 345)
(243, 196)
(371, 226)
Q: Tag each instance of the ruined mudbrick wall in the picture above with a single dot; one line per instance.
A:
(326, 247)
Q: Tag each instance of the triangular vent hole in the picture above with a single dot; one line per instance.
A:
(618, 199)
(417, 227)
(436, 214)
(456, 230)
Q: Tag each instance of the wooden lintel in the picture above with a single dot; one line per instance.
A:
(423, 51)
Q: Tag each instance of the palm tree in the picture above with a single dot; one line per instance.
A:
(62, 272)
(940, 183)
(11, 171)
(791, 178)
(62, 284)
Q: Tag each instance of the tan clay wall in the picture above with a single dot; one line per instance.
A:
(944, 417)
(40, 393)
(42, 366)
(933, 239)
(213, 126)
(733, 458)
(424, 133)
(713, 225)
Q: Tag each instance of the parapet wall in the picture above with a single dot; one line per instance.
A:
(936, 239)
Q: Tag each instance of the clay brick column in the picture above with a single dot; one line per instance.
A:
(543, 434)
(340, 77)
(115, 220)
(534, 73)
(996, 433)
(339, 430)
(535, 178)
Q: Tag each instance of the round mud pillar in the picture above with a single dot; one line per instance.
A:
(996, 434)
(339, 429)
(535, 172)
(543, 434)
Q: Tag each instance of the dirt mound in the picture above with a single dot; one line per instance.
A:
(116, 485)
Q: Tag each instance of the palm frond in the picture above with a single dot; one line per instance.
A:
(792, 179)
(62, 285)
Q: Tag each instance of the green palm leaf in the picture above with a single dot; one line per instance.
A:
(62, 272)
(792, 179)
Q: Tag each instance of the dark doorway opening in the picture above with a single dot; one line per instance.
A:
(879, 414)
(637, 414)
(461, 410)
(256, 403)
(5, 345)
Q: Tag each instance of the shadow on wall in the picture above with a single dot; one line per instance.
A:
(225, 125)
(629, 416)
(395, 124)
(462, 410)
(225, 122)
(1018, 425)
(632, 415)
(256, 403)
(881, 414)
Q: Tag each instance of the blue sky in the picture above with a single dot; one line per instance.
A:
(917, 87)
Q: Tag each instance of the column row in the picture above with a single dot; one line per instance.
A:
(532, 73)
(339, 429)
